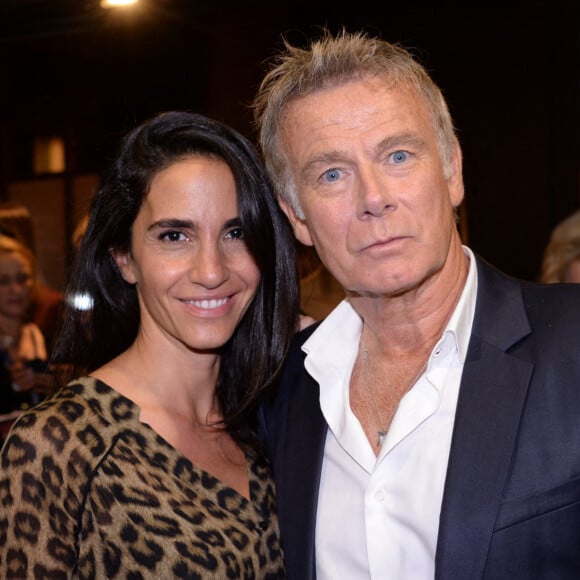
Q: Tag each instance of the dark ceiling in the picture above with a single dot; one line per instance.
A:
(63, 59)
(510, 72)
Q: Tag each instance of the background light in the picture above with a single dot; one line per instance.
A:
(114, 3)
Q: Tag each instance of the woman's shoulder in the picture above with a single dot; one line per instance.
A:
(68, 422)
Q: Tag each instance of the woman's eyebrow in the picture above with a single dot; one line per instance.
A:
(171, 223)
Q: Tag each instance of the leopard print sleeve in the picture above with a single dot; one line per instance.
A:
(46, 465)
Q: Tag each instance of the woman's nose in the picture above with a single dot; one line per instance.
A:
(208, 267)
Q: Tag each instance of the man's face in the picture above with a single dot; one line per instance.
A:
(378, 206)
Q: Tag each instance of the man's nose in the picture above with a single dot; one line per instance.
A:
(376, 195)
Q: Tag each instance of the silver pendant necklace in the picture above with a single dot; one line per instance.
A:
(382, 434)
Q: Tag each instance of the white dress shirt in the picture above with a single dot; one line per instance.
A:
(378, 517)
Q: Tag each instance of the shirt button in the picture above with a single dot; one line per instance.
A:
(379, 496)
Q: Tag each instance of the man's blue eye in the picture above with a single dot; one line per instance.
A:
(399, 156)
(332, 175)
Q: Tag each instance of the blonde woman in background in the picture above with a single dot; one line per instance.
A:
(46, 308)
(22, 345)
(561, 262)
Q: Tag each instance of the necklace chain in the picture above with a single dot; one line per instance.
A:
(383, 424)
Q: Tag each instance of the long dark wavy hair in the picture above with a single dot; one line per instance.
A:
(252, 357)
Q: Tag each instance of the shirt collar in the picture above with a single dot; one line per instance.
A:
(461, 320)
(333, 346)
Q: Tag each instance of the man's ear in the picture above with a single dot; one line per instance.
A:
(298, 224)
(125, 264)
(455, 178)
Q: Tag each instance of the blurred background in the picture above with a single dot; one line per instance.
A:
(75, 75)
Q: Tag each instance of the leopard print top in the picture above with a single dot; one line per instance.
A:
(88, 491)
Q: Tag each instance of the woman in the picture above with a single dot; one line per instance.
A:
(46, 307)
(148, 467)
(561, 259)
(22, 345)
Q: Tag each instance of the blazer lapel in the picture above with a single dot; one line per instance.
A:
(491, 398)
(300, 432)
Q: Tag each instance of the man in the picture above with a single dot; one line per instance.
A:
(429, 427)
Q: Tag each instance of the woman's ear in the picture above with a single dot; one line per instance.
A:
(125, 264)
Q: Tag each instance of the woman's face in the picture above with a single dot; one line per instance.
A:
(15, 285)
(194, 275)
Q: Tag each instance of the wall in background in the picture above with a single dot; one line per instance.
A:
(53, 202)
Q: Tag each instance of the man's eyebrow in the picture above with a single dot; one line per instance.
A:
(326, 157)
(406, 139)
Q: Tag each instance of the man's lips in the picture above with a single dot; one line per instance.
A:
(383, 243)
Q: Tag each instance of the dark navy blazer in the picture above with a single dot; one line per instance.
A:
(511, 503)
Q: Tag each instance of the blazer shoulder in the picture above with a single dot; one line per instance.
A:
(548, 301)
(537, 297)
(509, 309)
